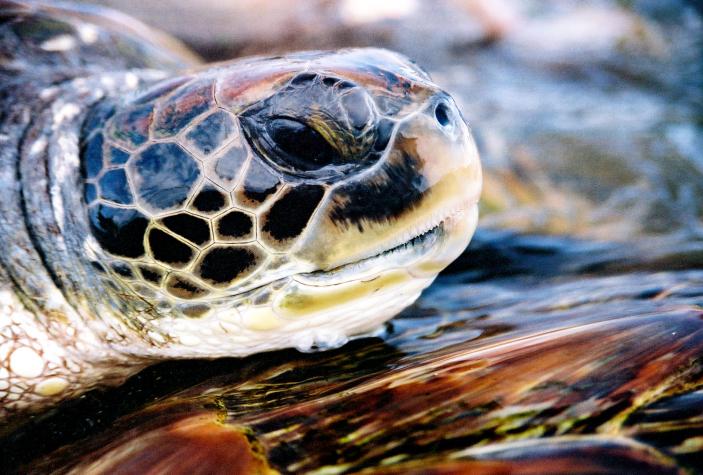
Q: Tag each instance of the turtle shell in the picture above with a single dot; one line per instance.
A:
(477, 377)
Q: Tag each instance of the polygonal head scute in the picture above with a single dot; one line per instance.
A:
(226, 166)
(114, 187)
(189, 227)
(225, 265)
(235, 225)
(209, 199)
(211, 133)
(120, 231)
(183, 286)
(166, 248)
(160, 180)
(258, 184)
(151, 273)
(182, 107)
(129, 128)
(164, 175)
(289, 215)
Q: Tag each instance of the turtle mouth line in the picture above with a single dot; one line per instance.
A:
(420, 241)
(415, 242)
(418, 244)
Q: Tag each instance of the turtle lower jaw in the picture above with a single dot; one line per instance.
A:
(429, 245)
(324, 308)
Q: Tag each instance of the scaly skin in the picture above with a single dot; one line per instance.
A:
(55, 62)
(342, 182)
(52, 342)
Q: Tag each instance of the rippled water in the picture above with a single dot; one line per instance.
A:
(523, 369)
(567, 338)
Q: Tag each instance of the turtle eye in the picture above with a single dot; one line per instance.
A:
(301, 146)
(315, 126)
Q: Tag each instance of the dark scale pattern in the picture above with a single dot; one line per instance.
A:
(357, 108)
(119, 231)
(329, 81)
(384, 130)
(98, 266)
(169, 250)
(96, 118)
(151, 274)
(260, 182)
(165, 173)
(228, 165)
(396, 188)
(183, 106)
(92, 156)
(117, 156)
(184, 288)
(114, 187)
(290, 213)
(123, 269)
(211, 133)
(194, 311)
(90, 193)
(130, 128)
(210, 200)
(222, 265)
(303, 79)
(196, 230)
(235, 224)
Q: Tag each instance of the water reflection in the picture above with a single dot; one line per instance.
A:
(567, 338)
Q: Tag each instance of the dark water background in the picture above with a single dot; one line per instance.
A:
(569, 335)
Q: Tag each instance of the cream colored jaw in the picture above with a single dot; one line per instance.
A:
(337, 282)
(451, 170)
(306, 314)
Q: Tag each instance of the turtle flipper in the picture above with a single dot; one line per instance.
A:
(79, 38)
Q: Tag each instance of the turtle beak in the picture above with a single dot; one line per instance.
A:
(429, 177)
(440, 141)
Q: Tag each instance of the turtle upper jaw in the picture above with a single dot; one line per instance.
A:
(429, 172)
(429, 248)
(401, 255)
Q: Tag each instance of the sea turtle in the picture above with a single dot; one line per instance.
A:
(157, 208)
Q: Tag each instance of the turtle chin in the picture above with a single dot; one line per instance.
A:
(324, 308)
(355, 299)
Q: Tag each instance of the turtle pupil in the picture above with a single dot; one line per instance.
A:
(442, 115)
(305, 148)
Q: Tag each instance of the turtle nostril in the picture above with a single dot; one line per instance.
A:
(441, 113)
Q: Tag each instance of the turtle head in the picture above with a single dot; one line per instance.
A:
(278, 202)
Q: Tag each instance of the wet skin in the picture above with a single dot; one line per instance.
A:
(277, 191)
(161, 209)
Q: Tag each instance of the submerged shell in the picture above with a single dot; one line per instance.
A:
(522, 362)
(477, 376)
